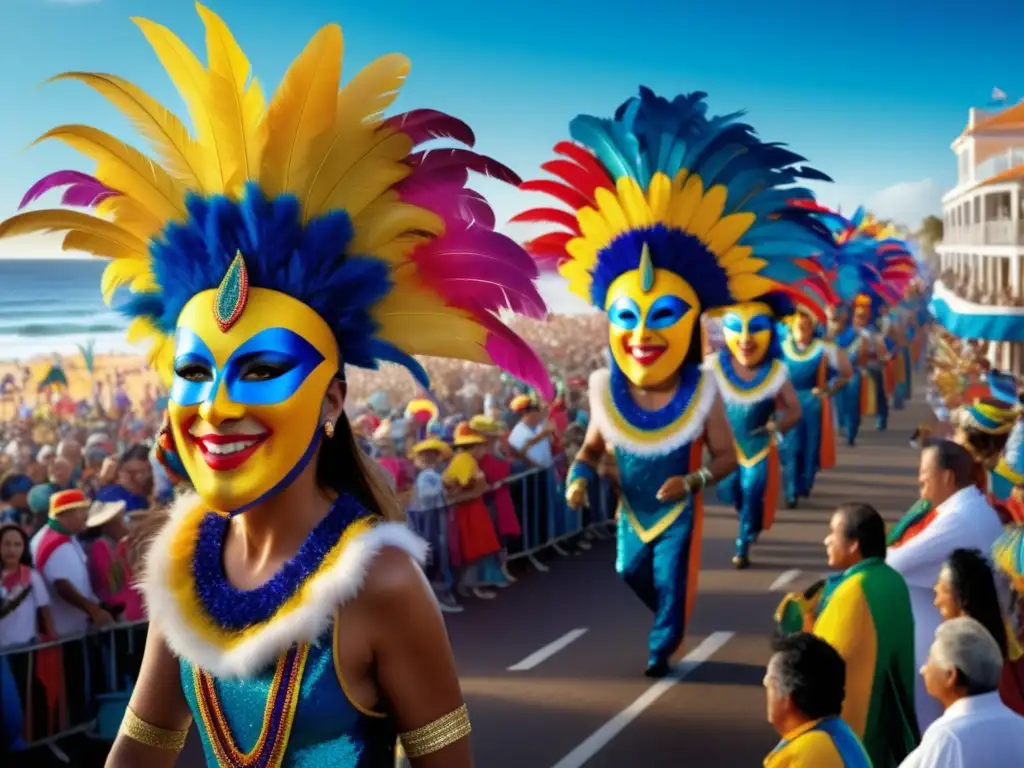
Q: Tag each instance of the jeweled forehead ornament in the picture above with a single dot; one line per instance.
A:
(232, 294)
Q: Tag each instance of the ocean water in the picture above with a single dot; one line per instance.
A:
(53, 305)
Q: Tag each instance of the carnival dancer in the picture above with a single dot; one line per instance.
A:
(290, 618)
(760, 403)
(673, 214)
(818, 370)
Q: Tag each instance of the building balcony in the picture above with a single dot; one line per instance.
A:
(1006, 232)
(998, 164)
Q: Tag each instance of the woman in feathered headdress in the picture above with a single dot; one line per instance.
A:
(672, 214)
(266, 251)
(817, 370)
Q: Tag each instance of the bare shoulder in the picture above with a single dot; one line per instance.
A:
(394, 578)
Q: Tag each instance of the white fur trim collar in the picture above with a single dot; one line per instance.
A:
(732, 395)
(307, 623)
(633, 440)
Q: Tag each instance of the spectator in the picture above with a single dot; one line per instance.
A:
(24, 601)
(430, 516)
(14, 490)
(805, 689)
(967, 587)
(531, 436)
(976, 729)
(865, 615)
(70, 450)
(61, 560)
(960, 516)
(134, 480)
(497, 470)
(60, 474)
(111, 578)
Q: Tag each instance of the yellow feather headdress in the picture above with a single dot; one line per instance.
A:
(387, 244)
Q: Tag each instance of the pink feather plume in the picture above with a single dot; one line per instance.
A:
(437, 159)
(423, 125)
(83, 190)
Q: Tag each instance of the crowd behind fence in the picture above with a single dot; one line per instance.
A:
(53, 690)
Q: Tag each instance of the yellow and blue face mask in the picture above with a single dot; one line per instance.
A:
(748, 330)
(652, 314)
(247, 396)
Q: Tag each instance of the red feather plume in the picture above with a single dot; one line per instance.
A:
(568, 195)
(548, 216)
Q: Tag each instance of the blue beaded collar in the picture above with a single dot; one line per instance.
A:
(236, 609)
(641, 418)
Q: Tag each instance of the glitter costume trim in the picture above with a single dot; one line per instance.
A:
(683, 417)
(816, 346)
(765, 385)
(278, 715)
(172, 594)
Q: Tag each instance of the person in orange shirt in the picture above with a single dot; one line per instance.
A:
(806, 684)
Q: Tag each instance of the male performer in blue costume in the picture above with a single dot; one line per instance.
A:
(760, 403)
(290, 620)
(817, 370)
(672, 214)
(864, 395)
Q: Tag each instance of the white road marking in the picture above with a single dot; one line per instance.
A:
(785, 579)
(539, 657)
(603, 735)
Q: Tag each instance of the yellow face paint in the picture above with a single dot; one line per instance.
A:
(802, 327)
(748, 329)
(650, 331)
(245, 403)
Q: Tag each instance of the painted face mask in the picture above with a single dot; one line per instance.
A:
(651, 315)
(802, 327)
(246, 401)
(748, 331)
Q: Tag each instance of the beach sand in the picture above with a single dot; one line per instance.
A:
(80, 382)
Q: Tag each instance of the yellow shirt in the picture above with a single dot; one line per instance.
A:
(827, 743)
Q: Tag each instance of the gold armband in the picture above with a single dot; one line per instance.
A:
(137, 729)
(437, 735)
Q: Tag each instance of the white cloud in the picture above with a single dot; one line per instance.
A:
(906, 202)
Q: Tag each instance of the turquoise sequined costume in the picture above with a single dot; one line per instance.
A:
(749, 406)
(809, 368)
(672, 213)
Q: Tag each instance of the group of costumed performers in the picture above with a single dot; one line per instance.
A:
(675, 214)
(278, 243)
(818, 370)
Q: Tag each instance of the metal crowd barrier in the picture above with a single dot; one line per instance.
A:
(90, 676)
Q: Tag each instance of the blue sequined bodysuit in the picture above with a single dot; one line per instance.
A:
(327, 731)
(658, 542)
(800, 448)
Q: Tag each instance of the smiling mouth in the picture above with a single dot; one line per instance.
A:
(645, 354)
(223, 453)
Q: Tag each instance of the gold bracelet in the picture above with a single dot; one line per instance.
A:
(437, 735)
(137, 729)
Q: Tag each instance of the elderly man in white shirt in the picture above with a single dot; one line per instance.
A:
(963, 518)
(976, 730)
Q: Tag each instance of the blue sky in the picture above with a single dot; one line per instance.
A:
(872, 91)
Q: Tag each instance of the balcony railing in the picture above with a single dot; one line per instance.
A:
(1007, 232)
(1000, 163)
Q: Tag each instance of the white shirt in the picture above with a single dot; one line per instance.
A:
(967, 520)
(976, 732)
(67, 562)
(539, 453)
(19, 626)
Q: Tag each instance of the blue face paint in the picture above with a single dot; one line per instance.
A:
(266, 370)
(666, 312)
(760, 323)
(624, 314)
(733, 323)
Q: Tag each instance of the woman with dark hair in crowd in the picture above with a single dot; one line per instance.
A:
(967, 587)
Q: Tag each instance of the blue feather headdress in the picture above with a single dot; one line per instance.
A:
(713, 203)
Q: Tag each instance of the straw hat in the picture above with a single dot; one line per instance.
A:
(65, 501)
(432, 444)
(465, 435)
(485, 425)
(102, 512)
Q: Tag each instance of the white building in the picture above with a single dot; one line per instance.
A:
(983, 215)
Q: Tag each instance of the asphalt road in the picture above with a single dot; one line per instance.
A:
(552, 669)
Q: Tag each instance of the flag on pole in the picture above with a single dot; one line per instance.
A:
(998, 98)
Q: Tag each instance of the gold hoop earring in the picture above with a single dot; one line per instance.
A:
(329, 429)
